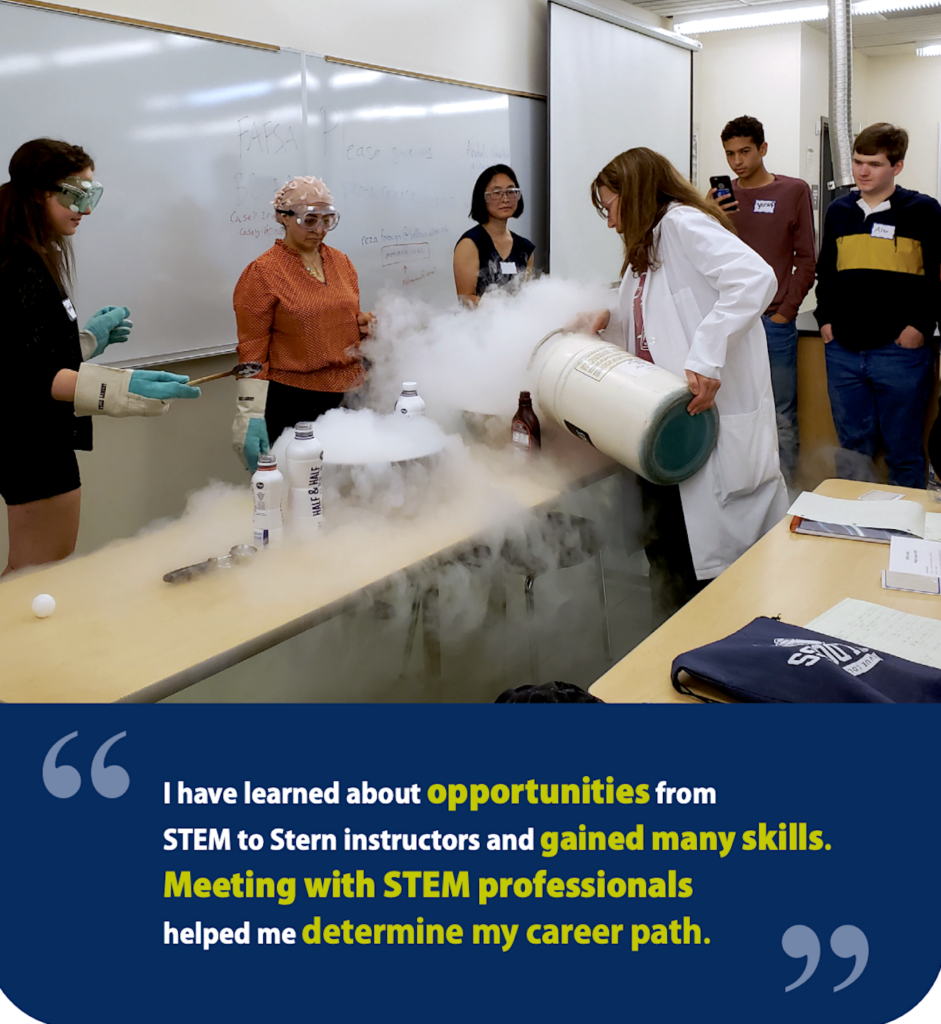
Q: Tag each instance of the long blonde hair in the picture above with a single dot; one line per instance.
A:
(646, 183)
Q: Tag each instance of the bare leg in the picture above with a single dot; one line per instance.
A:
(43, 531)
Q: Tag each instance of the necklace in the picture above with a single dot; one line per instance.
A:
(313, 264)
(314, 271)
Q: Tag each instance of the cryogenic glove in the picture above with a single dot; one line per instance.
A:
(249, 433)
(108, 391)
(108, 326)
(161, 385)
(256, 442)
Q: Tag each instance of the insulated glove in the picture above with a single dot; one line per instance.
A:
(107, 327)
(249, 433)
(161, 385)
(109, 391)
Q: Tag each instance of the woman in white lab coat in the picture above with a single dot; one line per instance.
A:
(691, 299)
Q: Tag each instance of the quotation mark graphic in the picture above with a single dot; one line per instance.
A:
(63, 781)
(847, 941)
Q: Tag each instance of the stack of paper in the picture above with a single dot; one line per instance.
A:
(864, 520)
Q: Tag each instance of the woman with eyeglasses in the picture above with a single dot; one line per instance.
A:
(691, 298)
(50, 192)
(297, 313)
(491, 254)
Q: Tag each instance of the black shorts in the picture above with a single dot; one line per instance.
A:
(46, 472)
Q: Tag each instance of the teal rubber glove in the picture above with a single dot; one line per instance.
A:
(256, 441)
(108, 326)
(161, 385)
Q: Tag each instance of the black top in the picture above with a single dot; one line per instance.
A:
(41, 338)
(490, 260)
(878, 274)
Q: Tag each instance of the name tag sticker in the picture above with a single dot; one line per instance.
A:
(70, 309)
(764, 205)
(508, 268)
(883, 231)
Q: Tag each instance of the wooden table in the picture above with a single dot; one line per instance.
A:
(792, 575)
(120, 633)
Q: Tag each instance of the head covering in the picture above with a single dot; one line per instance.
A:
(304, 191)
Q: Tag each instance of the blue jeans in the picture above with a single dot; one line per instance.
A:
(782, 354)
(880, 392)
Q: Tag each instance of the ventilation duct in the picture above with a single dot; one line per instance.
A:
(840, 33)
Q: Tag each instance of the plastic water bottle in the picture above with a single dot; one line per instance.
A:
(526, 435)
(267, 491)
(410, 402)
(305, 465)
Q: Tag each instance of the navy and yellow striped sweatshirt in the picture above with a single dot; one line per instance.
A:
(880, 273)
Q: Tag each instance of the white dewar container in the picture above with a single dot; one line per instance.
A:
(624, 406)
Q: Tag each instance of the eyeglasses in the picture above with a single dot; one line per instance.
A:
(604, 212)
(498, 193)
(78, 195)
(312, 218)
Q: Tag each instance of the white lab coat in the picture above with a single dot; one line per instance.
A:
(702, 309)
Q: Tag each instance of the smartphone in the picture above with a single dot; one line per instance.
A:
(722, 183)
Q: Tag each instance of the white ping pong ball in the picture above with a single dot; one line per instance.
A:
(43, 605)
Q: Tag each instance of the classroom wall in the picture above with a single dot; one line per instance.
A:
(814, 98)
(755, 72)
(500, 43)
(907, 91)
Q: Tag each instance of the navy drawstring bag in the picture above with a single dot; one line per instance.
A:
(771, 662)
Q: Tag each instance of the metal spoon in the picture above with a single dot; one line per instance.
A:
(237, 555)
(240, 371)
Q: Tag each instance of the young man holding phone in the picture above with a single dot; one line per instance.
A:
(878, 301)
(774, 215)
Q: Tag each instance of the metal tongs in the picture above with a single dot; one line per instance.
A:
(237, 555)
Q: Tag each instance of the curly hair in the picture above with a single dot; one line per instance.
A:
(744, 127)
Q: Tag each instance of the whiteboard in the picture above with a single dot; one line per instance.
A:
(188, 136)
(611, 88)
(191, 138)
(402, 156)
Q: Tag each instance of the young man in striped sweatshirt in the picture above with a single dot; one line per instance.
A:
(878, 301)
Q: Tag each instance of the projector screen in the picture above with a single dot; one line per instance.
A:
(611, 88)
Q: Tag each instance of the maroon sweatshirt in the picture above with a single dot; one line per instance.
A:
(777, 221)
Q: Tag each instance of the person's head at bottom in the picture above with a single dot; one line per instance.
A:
(547, 693)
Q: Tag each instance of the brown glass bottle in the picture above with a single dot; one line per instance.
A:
(525, 431)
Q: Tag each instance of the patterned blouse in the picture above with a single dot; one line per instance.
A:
(303, 330)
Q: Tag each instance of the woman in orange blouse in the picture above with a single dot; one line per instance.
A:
(297, 311)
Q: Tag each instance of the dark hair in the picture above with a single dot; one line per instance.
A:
(36, 168)
(882, 138)
(746, 128)
(547, 693)
(646, 183)
(478, 210)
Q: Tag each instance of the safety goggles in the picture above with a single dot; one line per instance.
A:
(498, 193)
(312, 217)
(79, 195)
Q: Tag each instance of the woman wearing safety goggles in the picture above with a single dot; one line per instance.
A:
(51, 189)
(297, 313)
(490, 254)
